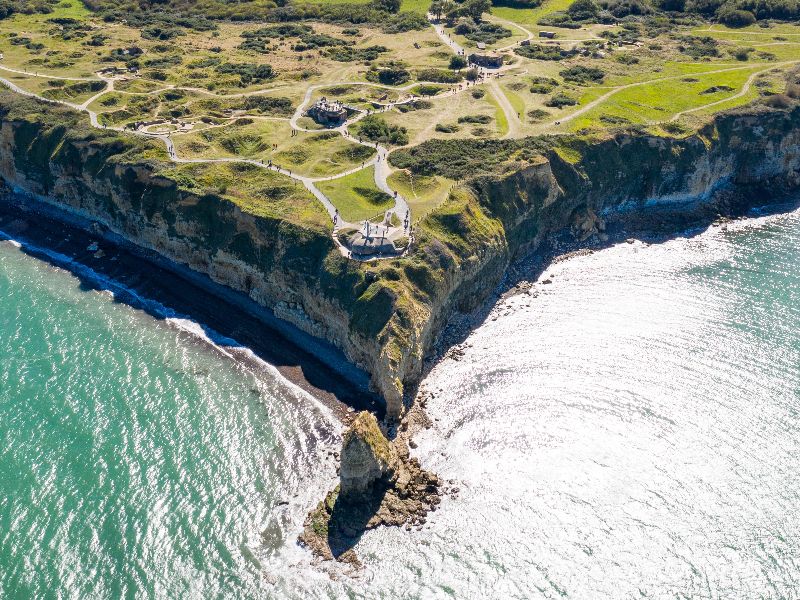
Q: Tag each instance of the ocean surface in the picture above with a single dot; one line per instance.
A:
(630, 430)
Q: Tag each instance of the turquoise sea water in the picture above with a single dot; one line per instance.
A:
(631, 430)
(136, 460)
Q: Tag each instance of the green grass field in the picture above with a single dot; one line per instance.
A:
(499, 114)
(530, 16)
(423, 194)
(356, 195)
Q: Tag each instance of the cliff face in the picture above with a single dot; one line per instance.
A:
(385, 315)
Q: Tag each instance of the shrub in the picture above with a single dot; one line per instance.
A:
(735, 18)
(778, 101)
(441, 128)
(392, 75)
(391, 6)
(627, 59)
(673, 127)
(698, 47)
(624, 8)
(583, 10)
(376, 129)
(539, 52)
(160, 32)
(742, 53)
(472, 75)
(414, 105)
(717, 88)
(270, 105)
(458, 62)
(489, 33)
(559, 19)
(351, 54)
(248, 73)
(478, 93)
(542, 85)
(481, 119)
(583, 75)
(428, 90)
(439, 76)
(537, 114)
(560, 100)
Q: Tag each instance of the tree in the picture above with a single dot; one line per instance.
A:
(437, 9)
(732, 17)
(583, 10)
(392, 6)
(476, 8)
(457, 62)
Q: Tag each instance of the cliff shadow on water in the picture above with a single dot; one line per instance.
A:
(148, 282)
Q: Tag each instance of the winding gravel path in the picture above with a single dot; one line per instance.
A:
(380, 160)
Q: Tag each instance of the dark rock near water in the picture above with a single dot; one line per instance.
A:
(379, 485)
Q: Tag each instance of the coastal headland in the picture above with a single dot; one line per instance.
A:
(514, 197)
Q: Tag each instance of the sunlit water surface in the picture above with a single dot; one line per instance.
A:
(631, 430)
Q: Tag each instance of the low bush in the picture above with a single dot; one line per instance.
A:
(560, 100)
(481, 119)
(442, 128)
(542, 85)
(583, 75)
(439, 76)
(376, 129)
(539, 52)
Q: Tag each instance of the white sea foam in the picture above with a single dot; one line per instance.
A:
(225, 346)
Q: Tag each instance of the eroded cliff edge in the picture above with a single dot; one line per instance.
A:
(274, 246)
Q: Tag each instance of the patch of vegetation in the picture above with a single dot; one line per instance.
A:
(542, 85)
(698, 47)
(268, 105)
(389, 74)
(560, 100)
(248, 73)
(582, 75)
(414, 105)
(445, 128)
(351, 54)
(717, 88)
(488, 33)
(480, 119)
(73, 90)
(460, 159)
(439, 76)
(458, 62)
(537, 114)
(539, 52)
(376, 129)
(25, 7)
(427, 89)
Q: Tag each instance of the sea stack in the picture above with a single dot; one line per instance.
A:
(379, 485)
(368, 459)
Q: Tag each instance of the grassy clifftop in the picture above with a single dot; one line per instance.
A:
(256, 232)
